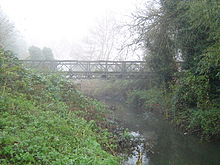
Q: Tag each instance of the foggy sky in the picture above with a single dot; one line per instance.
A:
(61, 23)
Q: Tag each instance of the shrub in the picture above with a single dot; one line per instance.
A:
(206, 121)
(149, 99)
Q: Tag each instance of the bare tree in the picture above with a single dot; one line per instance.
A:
(109, 39)
(100, 42)
(136, 30)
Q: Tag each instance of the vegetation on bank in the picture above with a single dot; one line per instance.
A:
(182, 44)
(43, 120)
(116, 90)
(186, 32)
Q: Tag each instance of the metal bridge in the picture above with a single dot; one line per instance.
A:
(92, 69)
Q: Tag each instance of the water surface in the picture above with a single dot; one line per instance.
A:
(167, 145)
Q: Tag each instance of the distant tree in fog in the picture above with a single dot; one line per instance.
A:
(101, 41)
(37, 54)
(9, 37)
(107, 40)
(6, 30)
(47, 53)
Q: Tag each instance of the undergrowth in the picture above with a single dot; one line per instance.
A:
(204, 122)
(45, 120)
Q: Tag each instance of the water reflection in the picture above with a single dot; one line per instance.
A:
(138, 156)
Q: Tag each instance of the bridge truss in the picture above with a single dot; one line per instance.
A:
(92, 69)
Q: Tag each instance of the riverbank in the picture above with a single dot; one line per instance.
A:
(204, 123)
(46, 120)
(145, 113)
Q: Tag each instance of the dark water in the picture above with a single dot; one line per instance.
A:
(168, 145)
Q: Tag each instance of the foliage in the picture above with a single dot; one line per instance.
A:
(201, 91)
(150, 99)
(206, 120)
(41, 121)
(178, 30)
(156, 30)
(209, 66)
(187, 31)
(192, 91)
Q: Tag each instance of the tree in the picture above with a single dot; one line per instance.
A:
(47, 53)
(6, 30)
(187, 30)
(174, 30)
(35, 53)
(156, 33)
(102, 41)
(10, 38)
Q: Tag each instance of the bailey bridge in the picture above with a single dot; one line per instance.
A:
(92, 69)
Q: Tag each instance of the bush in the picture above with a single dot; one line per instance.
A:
(206, 121)
(151, 99)
(199, 89)
(191, 91)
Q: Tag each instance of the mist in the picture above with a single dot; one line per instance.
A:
(114, 82)
(74, 30)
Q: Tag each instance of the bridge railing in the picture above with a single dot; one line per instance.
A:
(89, 68)
(86, 66)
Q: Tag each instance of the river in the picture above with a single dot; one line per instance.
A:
(165, 145)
